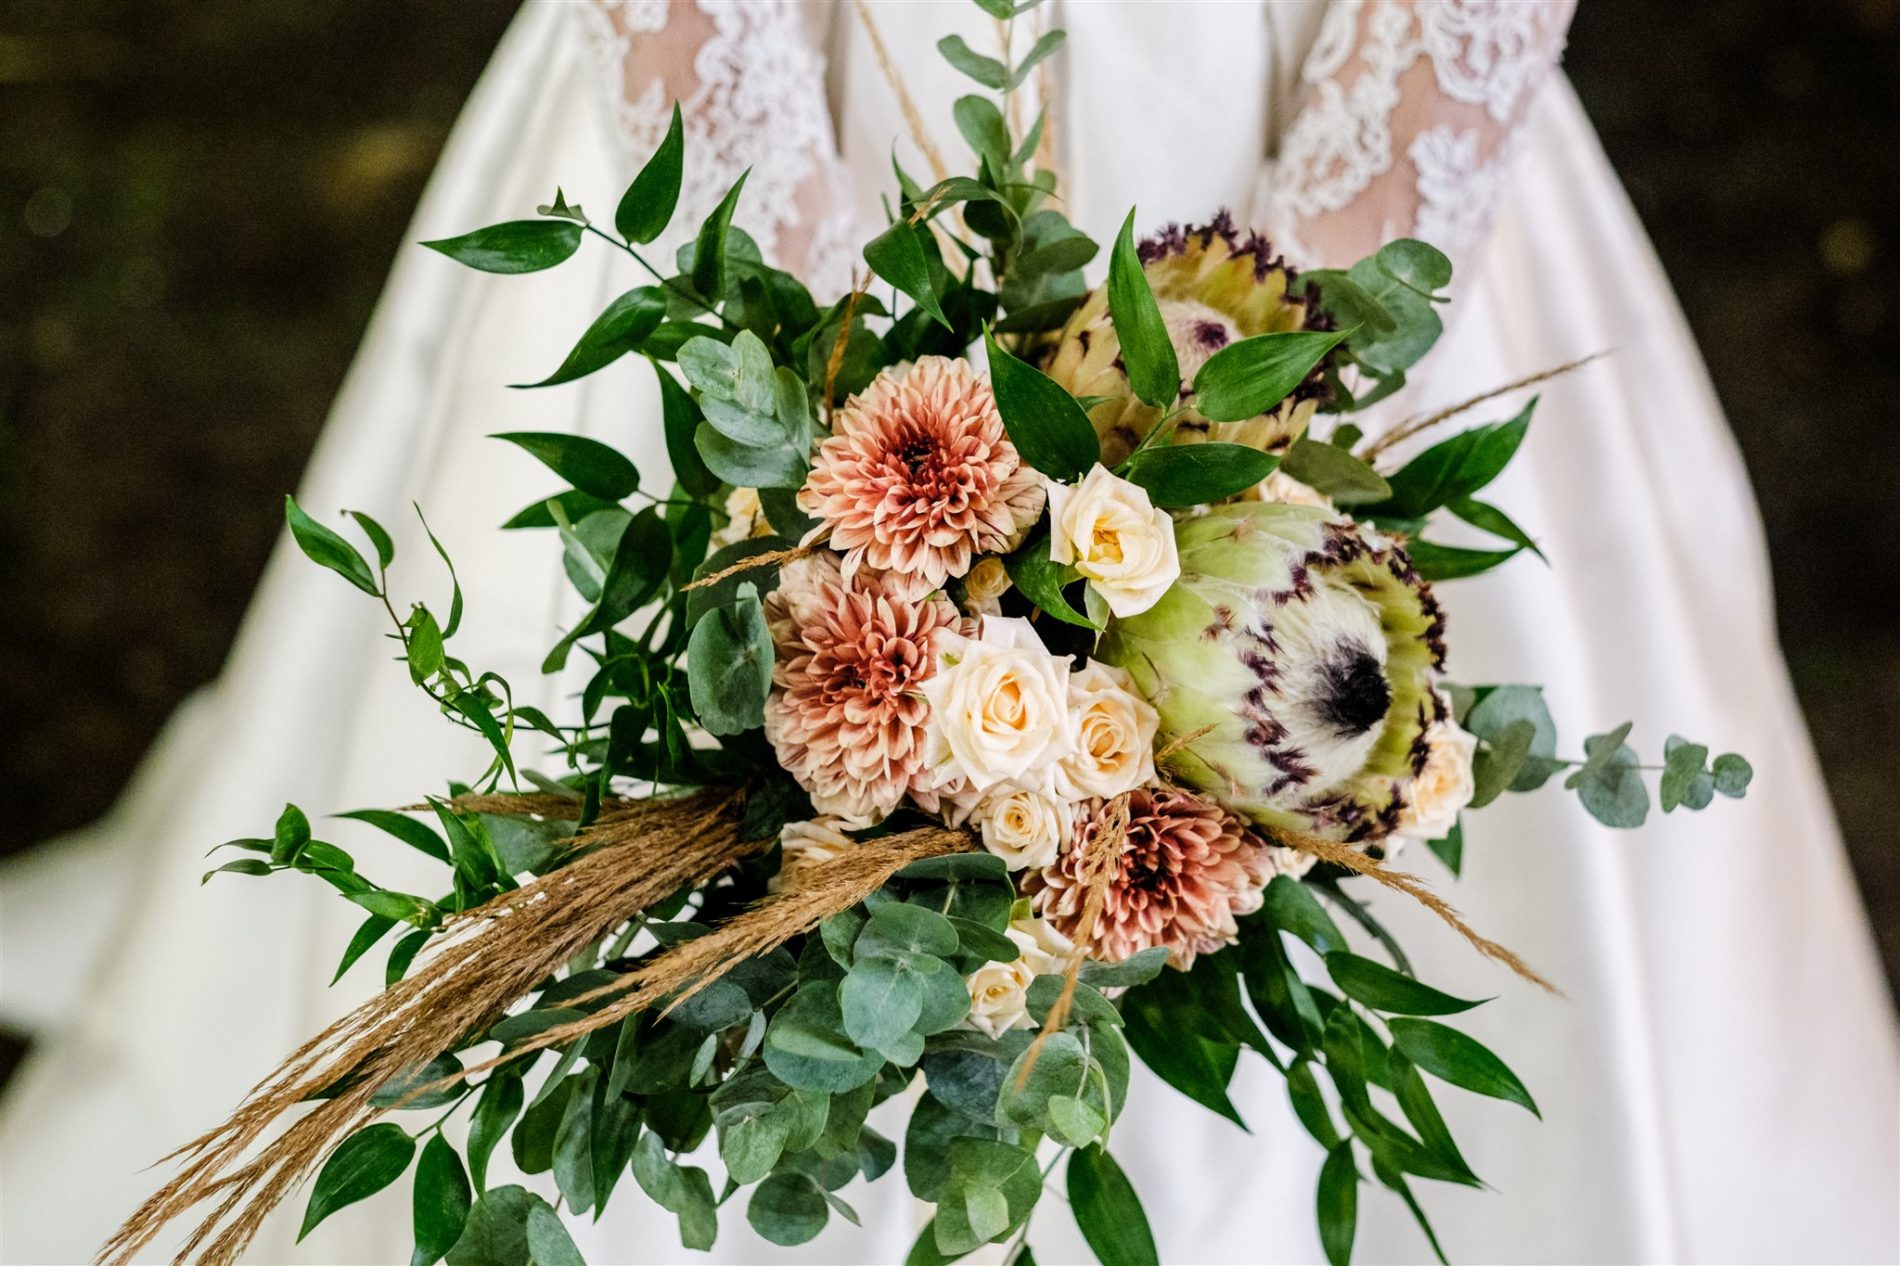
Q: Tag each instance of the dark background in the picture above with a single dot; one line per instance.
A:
(199, 201)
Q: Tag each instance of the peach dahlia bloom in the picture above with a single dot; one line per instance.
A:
(1188, 870)
(844, 715)
(918, 477)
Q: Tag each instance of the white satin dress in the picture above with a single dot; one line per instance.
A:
(1719, 1084)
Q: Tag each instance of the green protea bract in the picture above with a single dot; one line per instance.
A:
(1309, 645)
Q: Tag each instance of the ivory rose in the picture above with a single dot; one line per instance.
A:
(999, 991)
(1114, 730)
(998, 707)
(1116, 537)
(1442, 788)
(1025, 827)
(804, 845)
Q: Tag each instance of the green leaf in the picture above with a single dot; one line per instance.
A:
(746, 467)
(405, 828)
(426, 651)
(1041, 49)
(975, 867)
(1292, 907)
(588, 465)
(497, 1229)
(1335, 472)
(1450, 849)
(1108, 1212)
(1494, 714)
(1198, 1066)
(620, 329)
(709, 248)
(1733, 773)
(1136, 969)
(1046, 424)
(501, 1102)
(378, 537)
(370, 932)
(787, 1209)
(1147, 352)
(897, 255)
(1454, 469)
(327, 549)
(361, 1166)
(1685, 778)
(1489, 518)
(1463, 1061)
(896, 929)
(1449, 562)
(243, 866)
(1610, 782)
(440, 1202)
(1075, 1121)
(1416, 1101)
(729, 665)
(1040, 579)
(982, 125)
(518, 246)
(647, 206)
(548, 1241)
(1382, 989)
(1338, 1204)
(681, 1190)
(1196, 474)
(1245, 379)
(574, 1144)
(681, 418)
(985, 70)
(881, 1000)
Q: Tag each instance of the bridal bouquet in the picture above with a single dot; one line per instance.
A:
(1014, 679)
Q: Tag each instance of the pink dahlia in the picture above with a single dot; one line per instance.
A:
(918, 478)
(844, 715)
(1188, 870)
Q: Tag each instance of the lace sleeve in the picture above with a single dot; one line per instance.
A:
(1404, 128)
(750, 79)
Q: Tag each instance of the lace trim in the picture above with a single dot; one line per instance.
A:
(759, 104)
(1340, 151)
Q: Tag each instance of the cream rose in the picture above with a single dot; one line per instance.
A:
(1024, 827)
(1116, 537)
(999, 992)
(743, 516)
(1114, 730)
(987, 582)
(1286, 490)
(1442, 788)
(803, 845)
(998, 707)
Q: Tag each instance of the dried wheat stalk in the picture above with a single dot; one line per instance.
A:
(476, 969)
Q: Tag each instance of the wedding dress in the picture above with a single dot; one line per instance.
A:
(1719, 1083)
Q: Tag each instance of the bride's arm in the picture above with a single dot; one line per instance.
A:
(1407, 112)
(750, 82)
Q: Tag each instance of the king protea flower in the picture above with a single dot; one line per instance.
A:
(1214, 288)
(918, 477)
(1305, 646)
(845, 716)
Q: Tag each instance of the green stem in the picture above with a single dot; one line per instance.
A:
(671, 285)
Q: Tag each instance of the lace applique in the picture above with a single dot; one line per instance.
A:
(1486, 53)
(751, 89)
(1458, 192)
(1441, 84)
